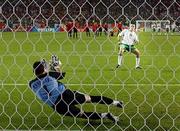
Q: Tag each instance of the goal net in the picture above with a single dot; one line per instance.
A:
(83, 34)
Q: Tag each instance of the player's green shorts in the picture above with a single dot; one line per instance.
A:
(129, 48)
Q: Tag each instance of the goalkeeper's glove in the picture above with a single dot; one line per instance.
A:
(55, 63)
(55, 60)
(45, 64)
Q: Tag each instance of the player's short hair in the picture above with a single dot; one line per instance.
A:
(38, 68)
(132, 25)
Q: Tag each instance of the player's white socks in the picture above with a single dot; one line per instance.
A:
(120, 60)
(137, 61)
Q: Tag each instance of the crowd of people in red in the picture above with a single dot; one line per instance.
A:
(73, 27)
(83, 13)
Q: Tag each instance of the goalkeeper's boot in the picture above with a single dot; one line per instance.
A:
(118, 104)
(111, 117)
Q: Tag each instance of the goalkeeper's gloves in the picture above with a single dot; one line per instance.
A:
(45, 64)
(55, 60)
(55, 63)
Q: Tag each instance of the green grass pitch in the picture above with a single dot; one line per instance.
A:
(151, 95)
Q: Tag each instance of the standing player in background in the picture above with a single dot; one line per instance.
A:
(173, 26)
(69, 28)
(75, 29)
(95, 28)
(55, 94)
(87, 29)
(100, 30)
(167, 27)
(105, 28)
(159, 27)
(153, 26)
(128, 39)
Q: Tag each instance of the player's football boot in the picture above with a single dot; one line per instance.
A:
(138, 67)
(118, 66)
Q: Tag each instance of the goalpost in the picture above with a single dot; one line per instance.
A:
(32, 30)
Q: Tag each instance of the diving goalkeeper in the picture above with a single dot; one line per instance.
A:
(47, 88)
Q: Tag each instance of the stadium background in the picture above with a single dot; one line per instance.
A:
(151, 95)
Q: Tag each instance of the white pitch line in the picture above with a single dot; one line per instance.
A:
(124, 84)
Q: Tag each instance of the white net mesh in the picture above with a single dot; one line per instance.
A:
(36, 29)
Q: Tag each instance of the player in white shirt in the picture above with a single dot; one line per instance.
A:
(128, 39)
(167, 27)
(173, 26)
(158, 27)
(153, 26)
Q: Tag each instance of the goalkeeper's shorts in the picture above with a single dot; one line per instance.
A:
(129, 48)
(65, 103)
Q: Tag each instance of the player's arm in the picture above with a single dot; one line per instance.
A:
(136, 39)
(120, 36)
(57, 75)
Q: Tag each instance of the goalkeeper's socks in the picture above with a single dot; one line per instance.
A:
(118, 104)
(110, 116)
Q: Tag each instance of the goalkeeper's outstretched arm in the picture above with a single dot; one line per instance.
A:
(55, 64)
(55, 69)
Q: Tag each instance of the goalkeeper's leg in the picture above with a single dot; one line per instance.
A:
(66, 105)
(74, 111)
(84, 98)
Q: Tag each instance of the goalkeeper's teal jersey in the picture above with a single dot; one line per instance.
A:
(47, 88)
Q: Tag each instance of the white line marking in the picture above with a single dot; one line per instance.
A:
(96, 84)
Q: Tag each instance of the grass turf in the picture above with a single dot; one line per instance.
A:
(151, 95)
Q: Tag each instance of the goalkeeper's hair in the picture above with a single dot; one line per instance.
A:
(38, 68)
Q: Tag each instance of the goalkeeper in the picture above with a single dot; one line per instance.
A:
(54, 93)
(128, 40)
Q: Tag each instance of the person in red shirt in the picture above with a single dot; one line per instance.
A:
(105, 26)
(69, 28)
(95, 27)
(87, 29)
(119, 26)
(75, 29)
